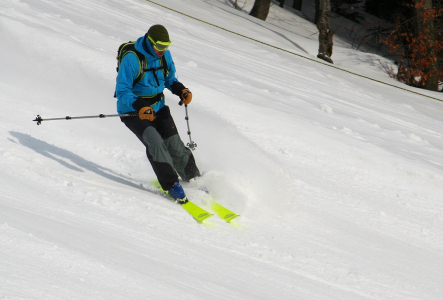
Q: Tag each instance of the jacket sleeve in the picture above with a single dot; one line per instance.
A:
(170, 79)
(128, 71)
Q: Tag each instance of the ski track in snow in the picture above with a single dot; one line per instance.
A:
(338, 179)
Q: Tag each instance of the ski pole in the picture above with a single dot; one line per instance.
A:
(39, 119)
(191, 144)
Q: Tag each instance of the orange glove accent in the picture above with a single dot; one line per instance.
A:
(146, 113)
(186, 96)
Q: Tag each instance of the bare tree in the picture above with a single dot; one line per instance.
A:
(426, 24)
(438, 33)
(323, 21)
(261, 9)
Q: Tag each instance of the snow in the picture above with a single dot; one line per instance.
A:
(338, 179)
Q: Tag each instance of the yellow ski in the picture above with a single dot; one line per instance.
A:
(223, 212)
(194, 210)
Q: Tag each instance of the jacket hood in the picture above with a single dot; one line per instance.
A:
(145, 48)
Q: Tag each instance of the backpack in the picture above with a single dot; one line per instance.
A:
(129, 47)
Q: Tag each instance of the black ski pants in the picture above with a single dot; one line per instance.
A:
(164, 148)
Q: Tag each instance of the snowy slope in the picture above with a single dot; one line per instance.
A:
(338, 179)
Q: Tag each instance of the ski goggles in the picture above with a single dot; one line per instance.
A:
(160, 46)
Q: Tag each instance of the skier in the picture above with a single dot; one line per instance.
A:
(154, 125)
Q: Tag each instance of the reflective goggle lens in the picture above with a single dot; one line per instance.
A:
(160, 46)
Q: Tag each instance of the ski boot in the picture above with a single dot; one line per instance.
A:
(178, 193)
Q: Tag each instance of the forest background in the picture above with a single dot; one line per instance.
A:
(407, 31)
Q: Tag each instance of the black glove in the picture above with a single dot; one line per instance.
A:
(180, 90)
(141, 102)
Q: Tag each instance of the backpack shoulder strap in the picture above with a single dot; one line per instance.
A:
(164, 66)
(129, 47)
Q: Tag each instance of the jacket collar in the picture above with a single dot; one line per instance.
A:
(144, 47)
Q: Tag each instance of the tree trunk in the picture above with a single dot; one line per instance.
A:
(261, 9)
(282, 3)
(439, 32)
(430, 57)
(323, 21)
(297, 4)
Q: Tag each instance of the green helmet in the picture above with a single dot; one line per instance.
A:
(158, 33)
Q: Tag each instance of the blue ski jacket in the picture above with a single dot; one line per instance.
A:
(149, 86)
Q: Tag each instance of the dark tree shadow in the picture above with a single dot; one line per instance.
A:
(70, 160)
